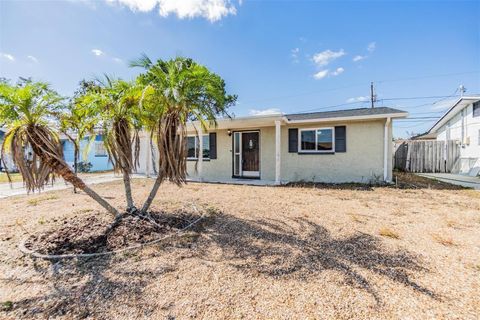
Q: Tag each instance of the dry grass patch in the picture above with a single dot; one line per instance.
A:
(37, 201)
(444, 240)
(267, 253)
(356, 218)
(389, 233)
(80, 211)
(453, 224)
(16, 177)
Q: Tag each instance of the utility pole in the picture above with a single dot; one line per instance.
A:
(462, 90)
(372, 95)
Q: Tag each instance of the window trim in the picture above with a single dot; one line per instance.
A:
(100, 155)
(197, 145)
(300, 150)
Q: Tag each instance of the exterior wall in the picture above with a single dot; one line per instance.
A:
(222, 167)
(99, 163)
(363, 161)
(471, 139)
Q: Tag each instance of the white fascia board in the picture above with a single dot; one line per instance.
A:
(241, 122)
(449, 114)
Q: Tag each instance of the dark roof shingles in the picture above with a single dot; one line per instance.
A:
(343, 113)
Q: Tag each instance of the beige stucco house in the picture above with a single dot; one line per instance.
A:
(335, 146)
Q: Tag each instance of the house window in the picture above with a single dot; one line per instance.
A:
(193, 147)
(100, 150)
(316, 140)
(476, 109)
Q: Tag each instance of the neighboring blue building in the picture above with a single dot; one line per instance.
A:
(7, 159)
(97, 155)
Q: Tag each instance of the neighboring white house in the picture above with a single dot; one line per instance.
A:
(462, 123)
(336, 146)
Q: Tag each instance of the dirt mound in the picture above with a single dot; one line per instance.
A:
(90, 233)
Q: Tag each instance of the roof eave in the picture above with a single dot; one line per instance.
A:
(440, 122)
(351, 118)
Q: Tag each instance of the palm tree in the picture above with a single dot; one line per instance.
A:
(77, 121)
(27, 109)
(175, 92)
(117, 102)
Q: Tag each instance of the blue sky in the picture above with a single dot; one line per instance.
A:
(292, 56)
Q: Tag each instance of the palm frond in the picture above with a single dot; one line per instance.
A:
(142, 62)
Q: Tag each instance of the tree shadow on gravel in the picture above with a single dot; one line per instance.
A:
(279, 248)
(85, 288)
(301, 249)
(88, 287)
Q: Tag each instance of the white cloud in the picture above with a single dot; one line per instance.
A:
(7, 56)
(359, 58)
(264, 112)
(212, 10)
(338, 71)
(117, 60)
(325, 57)
(33, 59)
(321, 74)
(294, 54)
(370, 48)
(324, 73)
(358, 99)
(98, 52)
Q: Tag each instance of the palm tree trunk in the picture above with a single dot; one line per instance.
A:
(75, 163)
(152, 194)
(66, 173)
(53, 159)
(128, 191)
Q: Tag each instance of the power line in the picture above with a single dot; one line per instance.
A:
(333, 106)
(410, 126)
(430, 112)
(428, 76)
(414, 118)
(362, 84)
(364, 102)
(415, 98)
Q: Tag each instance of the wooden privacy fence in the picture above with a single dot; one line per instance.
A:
(426, 156)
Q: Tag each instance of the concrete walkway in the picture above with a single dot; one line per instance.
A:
(247, 182)
(457, 179)
(16, 188)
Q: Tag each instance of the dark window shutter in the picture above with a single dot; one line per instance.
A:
(293, 140)
(476, 109)
(213, 145)
(341, 139)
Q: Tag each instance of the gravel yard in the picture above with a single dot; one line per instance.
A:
(261, 253)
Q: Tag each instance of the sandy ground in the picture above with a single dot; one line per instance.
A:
(265, 253)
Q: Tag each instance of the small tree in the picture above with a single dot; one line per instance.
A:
(175, 92)
(27, 109)
(77, 121)
(116, 101)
